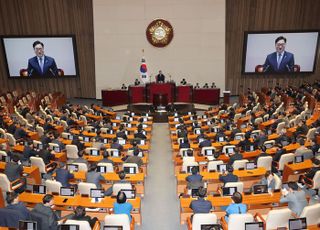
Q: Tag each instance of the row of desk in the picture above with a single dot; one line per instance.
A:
(145, 94)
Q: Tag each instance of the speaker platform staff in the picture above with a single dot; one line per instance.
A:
(280, 61)
(41, 65)
(160, 78)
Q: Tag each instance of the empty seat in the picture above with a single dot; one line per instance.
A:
(201, 219)
(265, 162)
(119, 220)
(275, 218)
(312, 214)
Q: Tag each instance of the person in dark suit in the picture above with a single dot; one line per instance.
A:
(63, 175)
(13, 203)
(160, 78)
(46, 209)
(80, 214)
(13, 169)
(205, 143)
(140, 134)
(134, 159)
(41, 65)
(201, 205)
(185, 143)
(93, 176)
(235, 156)
(116, 145)
(46, 155)
(280, 61)
(105, 158)
(20, 133)
(229, 177)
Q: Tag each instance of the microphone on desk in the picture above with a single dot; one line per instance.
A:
(31, 72)
(51, 71)
(266, 69)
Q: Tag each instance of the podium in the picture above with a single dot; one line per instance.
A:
(226, 97)
(160, 88)
(137, 94)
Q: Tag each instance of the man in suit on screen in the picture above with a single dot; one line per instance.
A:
(41, 65)
(280, 61)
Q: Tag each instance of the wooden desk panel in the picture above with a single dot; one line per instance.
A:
(32, 171)
(292, 169)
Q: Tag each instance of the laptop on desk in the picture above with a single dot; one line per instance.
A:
(299, 159)
(39, 189)
(254, 226)
(251, 165)
(130, 193)
(295, 224)
(210, 227)
(222, 168)
(69, 227)
(260, 189)
(228, 191)
(64, 191)
(27, 225)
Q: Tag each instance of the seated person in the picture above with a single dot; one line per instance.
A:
(245, 144)
(201, 205)
(63, 175)
(182, 132)
(135, 147)
(93, 176)
(105, 158)
(205, 143)
(197, 86)
(236, 207)
(303, 151)
(80, 214)
(122, 176)
(185, 143)
(202, 135)
(213, 85)
(81, 159)
(220, 136)
(122, 206)
(195, 176)
(135, 158)
(302, 128)
(315, 168)
(13, 203)
(28, 152)
(160, 78)
(268, 180)
(229, 177)
(116, 145)
(20, 132)
(46, 208)
(295, 198)
(13, 169)
(139, 134)
(262, 154)
(235, 156)
(121, 132)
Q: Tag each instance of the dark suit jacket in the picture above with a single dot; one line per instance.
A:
(27, 153)
(20, 207)
(13, 171)
(50, 219)
(184, 145)
(46, 156)
(10, 218)
(228, 178)
(235, 157)
(160, 78)
(205, 143)
(63, 176)
(286, 64)
(201, 206)
(49, 67)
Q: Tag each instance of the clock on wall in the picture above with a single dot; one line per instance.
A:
(159, 33)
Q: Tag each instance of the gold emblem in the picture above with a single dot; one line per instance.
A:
(159, 33)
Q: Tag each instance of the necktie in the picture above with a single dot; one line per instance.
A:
(279, 60)
(41, 63)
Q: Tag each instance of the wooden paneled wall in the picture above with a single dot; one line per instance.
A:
(51, 17)
(259, 15)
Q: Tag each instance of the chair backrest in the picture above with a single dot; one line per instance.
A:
(65, 135)
(212, 165)
(188, 159)
(72, 151)
(265, 162)
(108, 166)
(269, 144)
(3, 153)
(118, 220)
(239, 186)
(64, 124)
(5, 183)
(82, 166)
(40, 131)
(310, 134)
(278, 218)
(53, 186)
(116, 187)
(278, 181)
(258, 120)
(11, 139)
(284, 159)
(186, 164)
(224, 148)
(183, 151)
(237, 221)
(266, 117)
(203, 218)
(316, 180)
(83, 224)
(280, 126)
(311, 212)
(240, 164)
(84, 188)
(88, 128)
(84, 119)
(124, 165)
(236, 117)
(239, 136)
(38, 162)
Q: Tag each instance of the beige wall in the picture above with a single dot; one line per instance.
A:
(197, 51)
